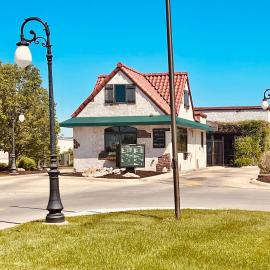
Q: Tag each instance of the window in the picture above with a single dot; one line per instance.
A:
(202, 140)
(113, 136)
(119, 93)
(159, 138)
(181, 140)
(186, 99)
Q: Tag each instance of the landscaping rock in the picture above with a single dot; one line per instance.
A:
(89, 172)
(100, 174)
(116, 171)
(129, 174)
(21, 170)
(165, 170)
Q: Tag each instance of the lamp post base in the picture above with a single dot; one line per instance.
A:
(55, 218)
(13, 172)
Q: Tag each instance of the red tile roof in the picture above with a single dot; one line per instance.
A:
(153, 85)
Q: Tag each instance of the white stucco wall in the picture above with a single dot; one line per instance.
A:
(91, 140)
(197, 157)
(142, 106)
(3, 157)
(183, 112)
(233, 116)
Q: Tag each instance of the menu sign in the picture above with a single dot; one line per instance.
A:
(131, 156)
(159, 137)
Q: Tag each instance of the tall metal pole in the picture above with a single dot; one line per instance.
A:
(13, 169)
(54, 206)
(173, 113)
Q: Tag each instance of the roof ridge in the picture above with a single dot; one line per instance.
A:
(145, 73)
(164, 73)
(120, 65)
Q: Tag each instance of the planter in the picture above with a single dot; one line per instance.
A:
(264, 178)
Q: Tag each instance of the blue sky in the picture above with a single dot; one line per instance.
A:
(224, 45)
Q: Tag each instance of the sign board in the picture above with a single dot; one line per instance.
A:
(130, 156)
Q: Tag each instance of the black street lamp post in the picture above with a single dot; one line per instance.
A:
(23, 58)
(13, 168)
(173, 113)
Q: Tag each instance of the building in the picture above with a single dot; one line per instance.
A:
(234, 113)
(220, 142)
(65, 144)
(3, 157)
(130, 107)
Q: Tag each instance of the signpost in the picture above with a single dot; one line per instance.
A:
(130, 156)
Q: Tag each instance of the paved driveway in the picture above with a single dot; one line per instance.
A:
(23, 198)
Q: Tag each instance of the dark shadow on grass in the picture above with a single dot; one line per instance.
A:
(143, 215)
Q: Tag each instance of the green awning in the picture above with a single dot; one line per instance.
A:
(131, 121)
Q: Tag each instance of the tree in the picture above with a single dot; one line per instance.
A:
(21, 92)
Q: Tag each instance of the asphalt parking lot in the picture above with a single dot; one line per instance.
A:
(24, 198)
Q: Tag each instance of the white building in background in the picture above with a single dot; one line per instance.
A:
(130, 107)
(65, 143)
(234, 113)
(3, 157)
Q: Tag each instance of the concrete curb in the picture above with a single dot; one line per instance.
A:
(254, 181)
(107, 211)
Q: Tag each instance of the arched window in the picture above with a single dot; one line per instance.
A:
(114, 136)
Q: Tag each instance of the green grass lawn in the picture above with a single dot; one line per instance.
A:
(203, 239)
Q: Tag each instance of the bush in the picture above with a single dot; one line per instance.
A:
(257, 131)
(3, 166)
(27, 163)
(264, 163)
(247, 151)
(243, 161)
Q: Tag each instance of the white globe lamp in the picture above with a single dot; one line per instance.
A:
(265, 104)
(21, 117)
(23, 56)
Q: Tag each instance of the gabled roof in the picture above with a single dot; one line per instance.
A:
(154, 85)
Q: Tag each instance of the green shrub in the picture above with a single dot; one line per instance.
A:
(243, 161)
(3, 166)
(247, 151)
(264, 163)
(27, 163)
(258, 131)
